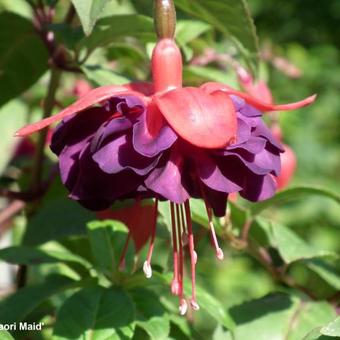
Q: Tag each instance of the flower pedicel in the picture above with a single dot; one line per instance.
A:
(167, 142)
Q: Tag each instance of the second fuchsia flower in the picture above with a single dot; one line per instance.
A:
(167, 142)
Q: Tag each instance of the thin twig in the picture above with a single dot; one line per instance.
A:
(246, 230)
(47, 110)
(11, 210)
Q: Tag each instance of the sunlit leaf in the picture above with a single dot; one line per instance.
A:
(279, 316)
(229, 17)
(89, 12)
(150, 314)
(18, 305)
(96, 313)
(4, 335)
(33, 256)
(102, 76)
(291, 195)
(332, 329)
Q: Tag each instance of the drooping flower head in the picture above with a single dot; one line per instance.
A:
(167, 142)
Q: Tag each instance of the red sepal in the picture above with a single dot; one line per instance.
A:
(138, 218)
(262, 106)
(95, 96)
(202, 119)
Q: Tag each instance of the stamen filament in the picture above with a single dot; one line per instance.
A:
(147, 264)
(180, 226)
(175, 285)
(184, 232)
(218, 250)
(193, 257)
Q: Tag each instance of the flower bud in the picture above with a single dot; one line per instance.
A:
(165, 19)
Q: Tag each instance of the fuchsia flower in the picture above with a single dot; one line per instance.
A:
(167, 142)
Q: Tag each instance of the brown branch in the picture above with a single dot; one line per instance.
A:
(6, 214)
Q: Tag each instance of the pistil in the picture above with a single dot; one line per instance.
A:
(175, 285)
(193, 257)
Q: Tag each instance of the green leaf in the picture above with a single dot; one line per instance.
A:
(213, 307)
(32, 256)
(96, 313)
(199, 212)
(101, 76)
(293, 194)
(231, 18)
(112, 28)
(20, 7)
(315, 335)
(151, 315)
(9, 123)
(308, 316)
(291, 247)
(188, 30)
(4, 335)
(220, 334)
(279, 316)
(325, 271)
(18, 305)
(197, 74)
(56, 219)
(99, 233)
(23, 56)
(332, 329)
(89, 12)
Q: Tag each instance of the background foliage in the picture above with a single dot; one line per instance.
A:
(281, 281)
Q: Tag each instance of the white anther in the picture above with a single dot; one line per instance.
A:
(147, 269)
(219, 254)
(183, 307)
(194, 305)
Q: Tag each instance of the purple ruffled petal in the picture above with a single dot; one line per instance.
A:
(259, 188)
(110, 129)
(253, 145)
(243, 131)
(77, 128)
(166, 180)
(242, 107)
(119, 155)
(211, 176)
(269, 159)
(262, 130)
(93, 184)
(148, 145)
(125, 105)
(217, 200)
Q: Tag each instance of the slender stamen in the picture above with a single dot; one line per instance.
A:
(175, 285)
(218, 250)
(193, 257)
(147, 264)
(184, 232)
(122, 256)
(180, 247)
